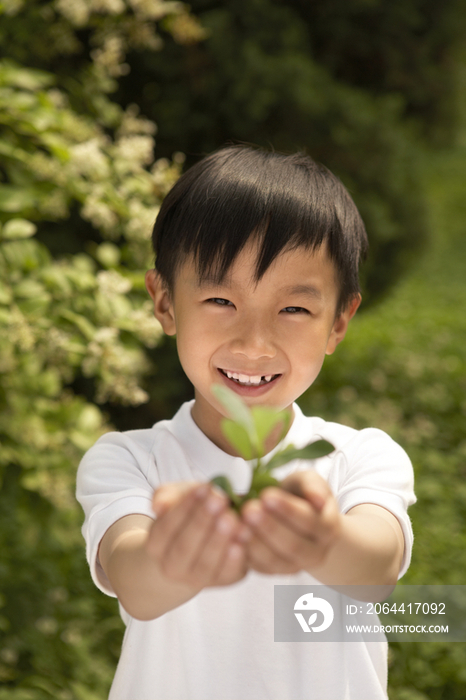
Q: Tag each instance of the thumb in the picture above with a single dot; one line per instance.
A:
(310, 486)
(168, 495)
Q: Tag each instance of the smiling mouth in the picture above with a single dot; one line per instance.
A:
(248, 380)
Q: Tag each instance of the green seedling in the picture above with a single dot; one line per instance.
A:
(247, 430)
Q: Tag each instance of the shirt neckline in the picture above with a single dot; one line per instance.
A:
(212, 460)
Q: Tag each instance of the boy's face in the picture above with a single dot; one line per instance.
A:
(266, 341)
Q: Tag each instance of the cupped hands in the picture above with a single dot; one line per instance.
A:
(199, 540)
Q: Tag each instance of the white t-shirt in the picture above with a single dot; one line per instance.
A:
(220, 644)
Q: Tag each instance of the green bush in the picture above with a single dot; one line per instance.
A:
(64, 318)
(402, 368)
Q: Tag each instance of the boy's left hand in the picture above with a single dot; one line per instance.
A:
(293, 527)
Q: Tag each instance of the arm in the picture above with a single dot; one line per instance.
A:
(363, 547)
(369, 550)
(155, 566)
(136, 579)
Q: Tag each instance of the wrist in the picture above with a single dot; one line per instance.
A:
(367, 551)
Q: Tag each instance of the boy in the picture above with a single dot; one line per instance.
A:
(256, 273)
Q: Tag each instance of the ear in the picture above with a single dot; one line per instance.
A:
(163, 305)
(340, 326)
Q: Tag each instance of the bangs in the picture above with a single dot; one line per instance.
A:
(238, 195)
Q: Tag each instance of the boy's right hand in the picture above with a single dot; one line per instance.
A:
(196, 539)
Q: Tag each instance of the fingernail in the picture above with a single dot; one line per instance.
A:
(270, 500)
(224, 525)
(253, 516)
(214, 504)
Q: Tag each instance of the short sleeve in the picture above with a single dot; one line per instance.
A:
(112, 483)
(379, 471)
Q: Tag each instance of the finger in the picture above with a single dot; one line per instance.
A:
(294, 512)
(308, 485)
(244, 533)
(299, 515)
(191, 538)
(172, 520)
(262, 558)
(210, 560)
(234, 566)
(281, 540)
(168, 495)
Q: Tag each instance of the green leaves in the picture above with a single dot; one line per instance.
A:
(16, 199)
(247, 431)
(248, 428)
(239, 437)
(18, 228)
(236, 408)
(314, 450)
(224, 483)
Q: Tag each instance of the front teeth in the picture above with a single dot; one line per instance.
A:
(246, 379)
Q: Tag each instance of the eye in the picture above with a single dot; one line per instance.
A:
(219, 301)
(295, 310)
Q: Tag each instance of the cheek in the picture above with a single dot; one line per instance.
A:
(193, 351)
(310, 347)
(308, 357)
(310, 371)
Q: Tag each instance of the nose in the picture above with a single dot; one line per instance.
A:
(253, 338)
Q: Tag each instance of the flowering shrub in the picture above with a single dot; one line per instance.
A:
(71, 160)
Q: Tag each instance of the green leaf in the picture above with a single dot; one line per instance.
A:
(238, 437)
(224, 483)
(18, 228)
(236, 408)
(15, 199)
(25, 255)
(5, 294)
(265, 419)
(26, 78)
(35, 306)
(260, 480)
(314, 450)
(81, 322)
(30, 288)
(108, 254)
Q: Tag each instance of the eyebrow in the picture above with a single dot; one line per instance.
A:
(303, 290)
(211, 282)
(307, 290)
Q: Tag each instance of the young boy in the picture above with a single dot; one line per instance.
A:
(256, 273)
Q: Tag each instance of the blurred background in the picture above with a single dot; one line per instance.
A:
(103, 103)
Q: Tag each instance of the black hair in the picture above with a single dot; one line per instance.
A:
(282, 201)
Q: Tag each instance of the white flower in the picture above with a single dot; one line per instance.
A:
(141, 220)
(131, 123)
(104, 337)
(110, 56)
(88, 159)
(99, 213)
(145, 326)
(113, 7)
(20, 332)
(43, 166)
(135, 150)
(110, 282)
(76, 11)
